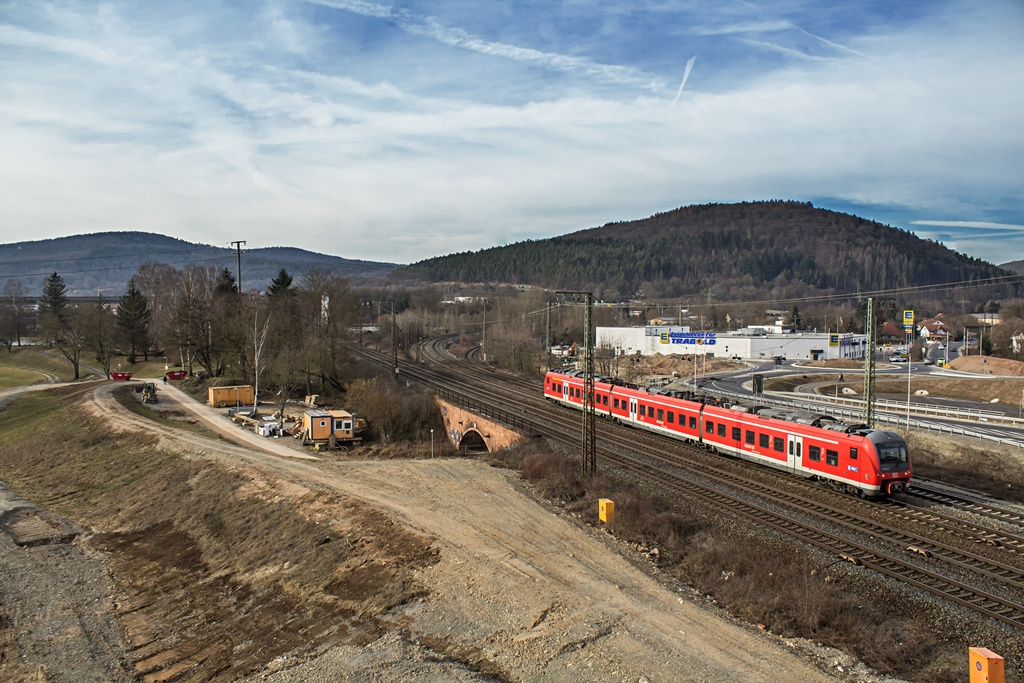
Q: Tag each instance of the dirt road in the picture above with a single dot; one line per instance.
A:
(538, 595)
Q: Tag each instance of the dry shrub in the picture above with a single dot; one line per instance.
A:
(785, 591)
(553, 476)
(395, 412)
(791, 596)
(642, 518)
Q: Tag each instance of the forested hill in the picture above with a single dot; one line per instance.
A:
(738, 251)
(1015, 266)
(106, 261)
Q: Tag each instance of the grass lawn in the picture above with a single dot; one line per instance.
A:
(18, 377)
(36, 358)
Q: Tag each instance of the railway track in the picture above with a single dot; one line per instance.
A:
(966, 502)
(994, 590)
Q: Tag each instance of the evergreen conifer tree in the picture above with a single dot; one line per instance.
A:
(133, 316)
(280, 285)
(55, 299)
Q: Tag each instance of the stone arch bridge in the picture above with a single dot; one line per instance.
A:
(474, 430)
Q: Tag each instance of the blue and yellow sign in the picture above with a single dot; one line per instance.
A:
(698, 338)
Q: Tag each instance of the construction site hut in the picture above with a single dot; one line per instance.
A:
(240, 395)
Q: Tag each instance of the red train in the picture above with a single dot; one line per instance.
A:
(850, 457)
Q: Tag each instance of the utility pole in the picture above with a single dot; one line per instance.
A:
(394, 328)
(547, 338)
(589, 419)
(869, 366)
(238, 246)
(394, 339)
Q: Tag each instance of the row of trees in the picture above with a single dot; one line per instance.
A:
(291, 336)
(196, 316)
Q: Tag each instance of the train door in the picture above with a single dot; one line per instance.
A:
(632, 409)
(565, 391)
(794, 451)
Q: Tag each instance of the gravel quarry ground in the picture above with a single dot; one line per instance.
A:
(200, 555)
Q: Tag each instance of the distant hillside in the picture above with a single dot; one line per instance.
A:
(1015, 266)
(747, 251)
(107, 261)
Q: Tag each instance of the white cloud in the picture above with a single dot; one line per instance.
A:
(110, 123)
(971, 224)
(461, 39)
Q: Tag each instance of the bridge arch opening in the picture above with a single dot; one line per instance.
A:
(473, 442)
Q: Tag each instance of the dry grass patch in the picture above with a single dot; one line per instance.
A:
(994, 469)
(984, 365)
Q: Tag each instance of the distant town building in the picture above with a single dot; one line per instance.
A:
(751, 343)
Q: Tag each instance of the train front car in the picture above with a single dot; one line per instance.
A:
(894, 469)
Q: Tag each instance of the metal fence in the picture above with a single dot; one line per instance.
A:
(854, 411)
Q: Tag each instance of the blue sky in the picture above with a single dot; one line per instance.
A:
(400, 131)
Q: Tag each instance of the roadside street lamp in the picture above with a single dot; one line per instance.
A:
(431, 444)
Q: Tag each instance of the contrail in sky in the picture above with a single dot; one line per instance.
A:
(686, 74)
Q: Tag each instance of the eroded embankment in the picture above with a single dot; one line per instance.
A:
(197, 587)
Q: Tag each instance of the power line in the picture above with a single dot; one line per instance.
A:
(196, 248)
(100, 270)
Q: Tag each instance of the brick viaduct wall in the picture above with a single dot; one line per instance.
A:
(460, 422)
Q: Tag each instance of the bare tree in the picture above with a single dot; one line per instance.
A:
(326, 312)
(257, 326)
(68, 332)
(101, 333)
(14, 315)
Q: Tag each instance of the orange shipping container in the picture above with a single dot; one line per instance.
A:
(222, 397)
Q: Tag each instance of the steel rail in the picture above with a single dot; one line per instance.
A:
(974, 598)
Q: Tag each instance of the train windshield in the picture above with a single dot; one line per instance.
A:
(892, 456)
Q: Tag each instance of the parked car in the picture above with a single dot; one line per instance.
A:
(898, 358)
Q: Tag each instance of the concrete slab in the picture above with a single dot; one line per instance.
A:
(29, 525)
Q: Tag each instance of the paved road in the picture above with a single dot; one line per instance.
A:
(740, 382)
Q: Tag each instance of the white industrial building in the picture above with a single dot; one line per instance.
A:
(771, 341)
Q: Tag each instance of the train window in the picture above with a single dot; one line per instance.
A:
(661, 414)
(831, 457)
(779, 444)
(737, 434)
(764, 440)
(721, 429)
(693, 422)
(814, 453)
(615, 403)
(749, 437)
(671, 418)
(853, 454)
(605, 400)
(709, 427)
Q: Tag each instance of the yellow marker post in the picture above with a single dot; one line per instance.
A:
(606, 510)
(986, 666)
